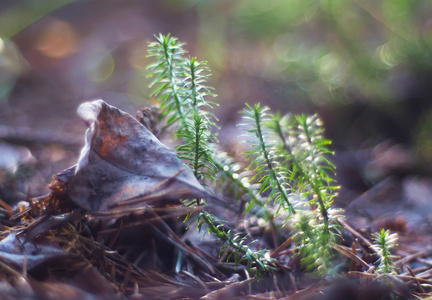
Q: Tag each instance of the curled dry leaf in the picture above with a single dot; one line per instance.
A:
(124, 165)
(14, 251)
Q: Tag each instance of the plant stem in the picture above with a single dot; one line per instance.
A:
(237, 247)
(269, 163)
(313, 185)
(172, 76)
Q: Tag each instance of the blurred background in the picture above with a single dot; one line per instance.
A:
(364, 66)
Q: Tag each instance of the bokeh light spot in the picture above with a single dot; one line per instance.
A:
(12, 64)
(138, 58)
(58, 39)
(331, 70)
(100, 66)
(388, 56)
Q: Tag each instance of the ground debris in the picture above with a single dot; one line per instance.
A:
(110, 229)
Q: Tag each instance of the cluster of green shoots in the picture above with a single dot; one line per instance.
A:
(383, 242)
(289, 175)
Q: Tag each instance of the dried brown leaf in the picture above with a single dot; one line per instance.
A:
(124, 164)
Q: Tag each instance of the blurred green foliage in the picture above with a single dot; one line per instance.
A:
(329, 48)
(365, 63)
(24, 13)
(13, 19)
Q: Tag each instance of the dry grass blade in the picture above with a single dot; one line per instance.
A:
(282, 247)
(351, 256)
(416, 281)
(231, 291)
(357, 235)
(401, 277)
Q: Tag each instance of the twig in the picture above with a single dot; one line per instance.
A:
(353, 252)
(200, 282)
(425, 274)
(175, 240)
(401, 277)
(351, 255)
(418, 271)
(281, 247)
(356, 234)
(8, 209)
(416, 281)
(29, 135)
(115, 236)
(126, 279)
(411, 257)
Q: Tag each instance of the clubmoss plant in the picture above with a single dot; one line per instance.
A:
(180, 90)
(304, 152)
(384, 241)
(179, 84)
(196, 131)
(169, 55)
(289, 155)
(271, 176)
(289, 172)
